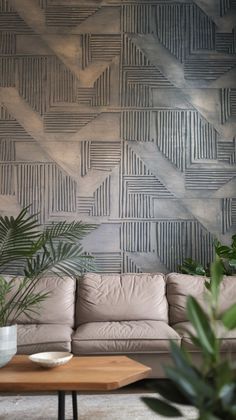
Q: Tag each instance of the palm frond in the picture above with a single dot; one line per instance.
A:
(65, 258)
(73, 231)
(36, 252)
(16, 236)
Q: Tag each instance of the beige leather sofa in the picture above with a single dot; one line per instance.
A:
(132, 314)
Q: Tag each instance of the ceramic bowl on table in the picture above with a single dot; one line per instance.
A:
(51, 359)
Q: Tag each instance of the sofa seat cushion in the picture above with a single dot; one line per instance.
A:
(121, 297)
(33, 338)
(184, 329)
(123, 337)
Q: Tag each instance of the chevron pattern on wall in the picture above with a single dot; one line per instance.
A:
(122, 113)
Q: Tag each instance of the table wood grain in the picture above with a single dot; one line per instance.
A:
(84, 373)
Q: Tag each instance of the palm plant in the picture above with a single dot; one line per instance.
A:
(212, 387)
(33, 251)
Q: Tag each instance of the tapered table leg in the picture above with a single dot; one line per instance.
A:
(61, 405)
(74, 404)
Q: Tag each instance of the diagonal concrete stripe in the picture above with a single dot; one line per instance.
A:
(203, 100)
(65, 46)
(69, 159)
(207, 102)
(223, 23)
(33, 124)
(161, 167)
(160, 57)
(91, 181)
(174, 181)
(148, 261)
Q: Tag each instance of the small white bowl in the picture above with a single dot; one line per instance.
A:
(51, 359)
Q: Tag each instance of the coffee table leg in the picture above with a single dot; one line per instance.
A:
(61, 405)
(74, 404)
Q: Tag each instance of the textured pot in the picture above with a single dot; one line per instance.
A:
(8, 344)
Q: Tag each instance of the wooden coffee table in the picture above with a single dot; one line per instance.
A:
(100, 373)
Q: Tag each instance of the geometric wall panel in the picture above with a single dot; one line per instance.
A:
(138, 82)
(191, 30)
(7, 43)
(136, 125)
(7, 179)
(42, 3)
(228, 104)
(210, 179)
(207, 69)
(107, 262)
(11, 129)
(96, 47)
(34, 185)
(7, 71)
(32, 77)
(225, 42)
(136, 236)
(122, 113)
(226, 151)
(66, 16)
(99, 94)
(99, 155)
(10, 21)
(67, 122)
(177, 240)
(228, 214)
(99, 203)
(7, 150)
(129, 265)
(226, 5)
(61, 83)
(185, 137)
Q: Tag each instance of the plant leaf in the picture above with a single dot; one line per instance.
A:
(232, 263)
(229, 317)
(227, 394)
(72, 232)
(180, 357)
(233, 241)
(192, 267)
(216, 278)
(201, 324)
(16, 236)
(192, 384)
(26, 249)
(161, 407)
(64, 258)
(169, 391)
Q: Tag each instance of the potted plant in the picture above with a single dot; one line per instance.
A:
(211, 388)
(29, 252)
(226, 254)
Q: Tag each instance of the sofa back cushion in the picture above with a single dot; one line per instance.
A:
(124, 297)
(179, 286)
(57, 308)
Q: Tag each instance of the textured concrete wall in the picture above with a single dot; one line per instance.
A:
(122, 113)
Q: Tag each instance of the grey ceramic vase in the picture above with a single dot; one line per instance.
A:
(8, 344)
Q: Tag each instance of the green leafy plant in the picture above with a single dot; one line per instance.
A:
(211, 388)
(192, 267)
(35, 251)
(227, 255)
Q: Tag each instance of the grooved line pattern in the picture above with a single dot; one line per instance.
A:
(178, 239)
(112, 123)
